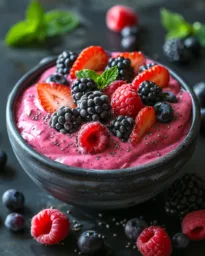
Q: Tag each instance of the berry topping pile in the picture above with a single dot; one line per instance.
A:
(98, 94)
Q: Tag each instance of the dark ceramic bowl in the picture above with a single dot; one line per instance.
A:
(103, 189)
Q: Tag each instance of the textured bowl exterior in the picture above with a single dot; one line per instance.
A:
(100, 189)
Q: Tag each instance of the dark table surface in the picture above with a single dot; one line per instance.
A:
(15, 62)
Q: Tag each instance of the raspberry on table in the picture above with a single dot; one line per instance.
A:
(154, 241)
(93, 137)
(193, 225)
(146, 67)
(126, 101)
(150, 93)
(66, 120)
(49, 226)
(65, 61)
(121, 127)
(95, 106)
(124, 67)
(81, 86)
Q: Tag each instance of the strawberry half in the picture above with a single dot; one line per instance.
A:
(137, 59)
(145, 119)
(53, 96)
(93, 57)
(157, 74)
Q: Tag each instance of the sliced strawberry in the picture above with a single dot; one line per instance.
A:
(53, 96)
(93, 57)
(157, 74)
(137, 59)
(143, 122)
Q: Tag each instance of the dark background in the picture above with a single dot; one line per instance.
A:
(15, 62)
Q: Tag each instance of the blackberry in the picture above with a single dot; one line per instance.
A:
(150, 93)
(192, 44)
(65, 61)
(126, 72)
(94, 106)
(146, 67)
(57, 78)
(176, 51)
(81, 86)
(185, 195)
(66, 120)
(121, 127)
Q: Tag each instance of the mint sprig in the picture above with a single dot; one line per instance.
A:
(178, 27)
(38, 25)
(102, 80)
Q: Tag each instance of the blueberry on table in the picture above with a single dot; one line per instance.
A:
(13, 200)
(199, 90)
(180, 241)
(134, 227)
(164, 112)
(192, 44)
(14, 222)
(130, 31)
(3, 159)
(90, 242)
(57, 78)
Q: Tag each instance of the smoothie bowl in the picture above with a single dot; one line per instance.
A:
(110, 130)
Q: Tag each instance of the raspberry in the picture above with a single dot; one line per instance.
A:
(126, 101)
(49, 226)
(154, 241)
(93, 137)
(109, 90)
(120, 16)
(193, 225)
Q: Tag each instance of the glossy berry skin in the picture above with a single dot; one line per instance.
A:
(193, 45)
(169, 97)
(180, 241)
(164, 112)
(134, 227)
(130, 31)
(129, 43)
(90, 242)
(199, 90)
(14, 222)
(3, 159)
(13, 200)
(154, 241)
(65, 61)
(57, 78)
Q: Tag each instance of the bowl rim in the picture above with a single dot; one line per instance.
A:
(102, 173)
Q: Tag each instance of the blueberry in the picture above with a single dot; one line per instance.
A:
(199, 90)
(203, 119)
(170, 97)
(3, 159)
(180, 241)
(192, 44)
(90, 242)
(57, 78)
(13, 199)
(164, 112)
(129, 43)
(129, 31)
(14, 222)
(134, 227)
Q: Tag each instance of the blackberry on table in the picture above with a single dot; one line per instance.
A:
(81, 86)
(146, 67)
(65, 61)
(150, 93)
(175, 51)
(126, 72)
(185, 195)
(66, 120)
(94, 106)
(121, 127)
(57, 78)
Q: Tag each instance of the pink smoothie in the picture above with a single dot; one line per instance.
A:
(33, 124)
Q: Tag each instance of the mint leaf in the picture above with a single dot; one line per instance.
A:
(107, 77)
(87, 73)
(171, 20)
(199, 32)
(181, 31)
(59, 22)
(35, 11)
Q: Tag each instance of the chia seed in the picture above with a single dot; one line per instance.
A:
(117, 223)
(107, 226)
(114, 235)
(100, 215)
